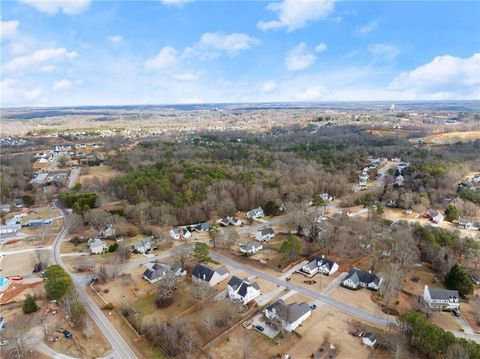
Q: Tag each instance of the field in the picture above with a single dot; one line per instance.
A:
(451, 137)
(103, 173)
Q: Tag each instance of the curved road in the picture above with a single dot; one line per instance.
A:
(120, 348)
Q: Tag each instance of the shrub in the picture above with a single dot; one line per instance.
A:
(29, 305)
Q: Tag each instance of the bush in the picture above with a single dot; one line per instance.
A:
(452, 213)
(108, 306)
(113, 247)
(29, 305)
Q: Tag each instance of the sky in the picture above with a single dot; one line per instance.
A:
(92, 52)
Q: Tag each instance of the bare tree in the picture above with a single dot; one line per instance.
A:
(208, 321)
(18, 337)
(457, 351)
(200, 291)
(167, 286)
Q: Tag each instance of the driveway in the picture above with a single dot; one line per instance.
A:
(267, 329)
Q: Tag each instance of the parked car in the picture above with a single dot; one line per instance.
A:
(313, 307)
(456, 312)
(67, 334)
(259, 328)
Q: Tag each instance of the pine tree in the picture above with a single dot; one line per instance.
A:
(459, 279)
(29, 305)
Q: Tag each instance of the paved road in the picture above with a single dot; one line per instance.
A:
(72, 179)
(305, 291)
(119, 346)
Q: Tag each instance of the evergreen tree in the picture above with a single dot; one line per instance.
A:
(29, 305)
(291, 248)
(452, 213)
(460, 280)
(57, 282)
(200, 252)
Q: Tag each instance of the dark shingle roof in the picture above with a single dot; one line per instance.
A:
(234, 282)
(202, 272)
(443, 294)
(357, 275)
(266, 231)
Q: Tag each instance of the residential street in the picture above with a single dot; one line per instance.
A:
(120, 348)
(305, 291)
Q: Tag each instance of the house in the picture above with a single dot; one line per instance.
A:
(475, 226)
(434, 216)
(158, 271)
(251, 247)
(438, 298)
(203, 273)
(227, 221)
(362, 182)
(144, 245)
(180, 233)
(242, 291)
(369, 339)
(19, 203)
(200, 227)
(10, 229)
(358, 278)
(39, 179)
(96, 246)
(326, 197)
(16, 219)
(107, 230)
(464, 223)
(265, 234)
(320, 264)
(291, 315)
(255, 213)
(38, 222)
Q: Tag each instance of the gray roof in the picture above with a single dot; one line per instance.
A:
(443, 294)
(235, 282)
(369, 335)
(357, 275)
(293, 312)
(200, 271)
(250, 245)
(95, 242)
(158, 270)
(267, 231)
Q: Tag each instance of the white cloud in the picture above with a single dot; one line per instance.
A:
(69, 7)
(178, 3)
(295, 14)
(232, 44)
(62, 84)
(8, 29)
(444, 77)
(367, 28)
(187, 76)
(13, 92)
(115, 38)
(38, 59)
(268, 86)
(299, 58)
(166, 59)
(384, 51)
(320, 47)
(314, 93)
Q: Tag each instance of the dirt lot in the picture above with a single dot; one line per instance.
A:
(101, 172)
(324, 323)
(78, 347)
(18, 264)
(451, 137)
(360, 298)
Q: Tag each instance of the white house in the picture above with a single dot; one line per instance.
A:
(251, 247)
(399, 181)
(107, 230)
(158, 271)
(265, 234)
(242, 290)
(320, 264)
(96, 246)
(326, 197)
(358, 278)
(291, 315)
(435, 216)
(438, 298)
(144, 245)
(255, 213)
(229, 220)
(369, 339)
(202, 273)
(180, 233)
